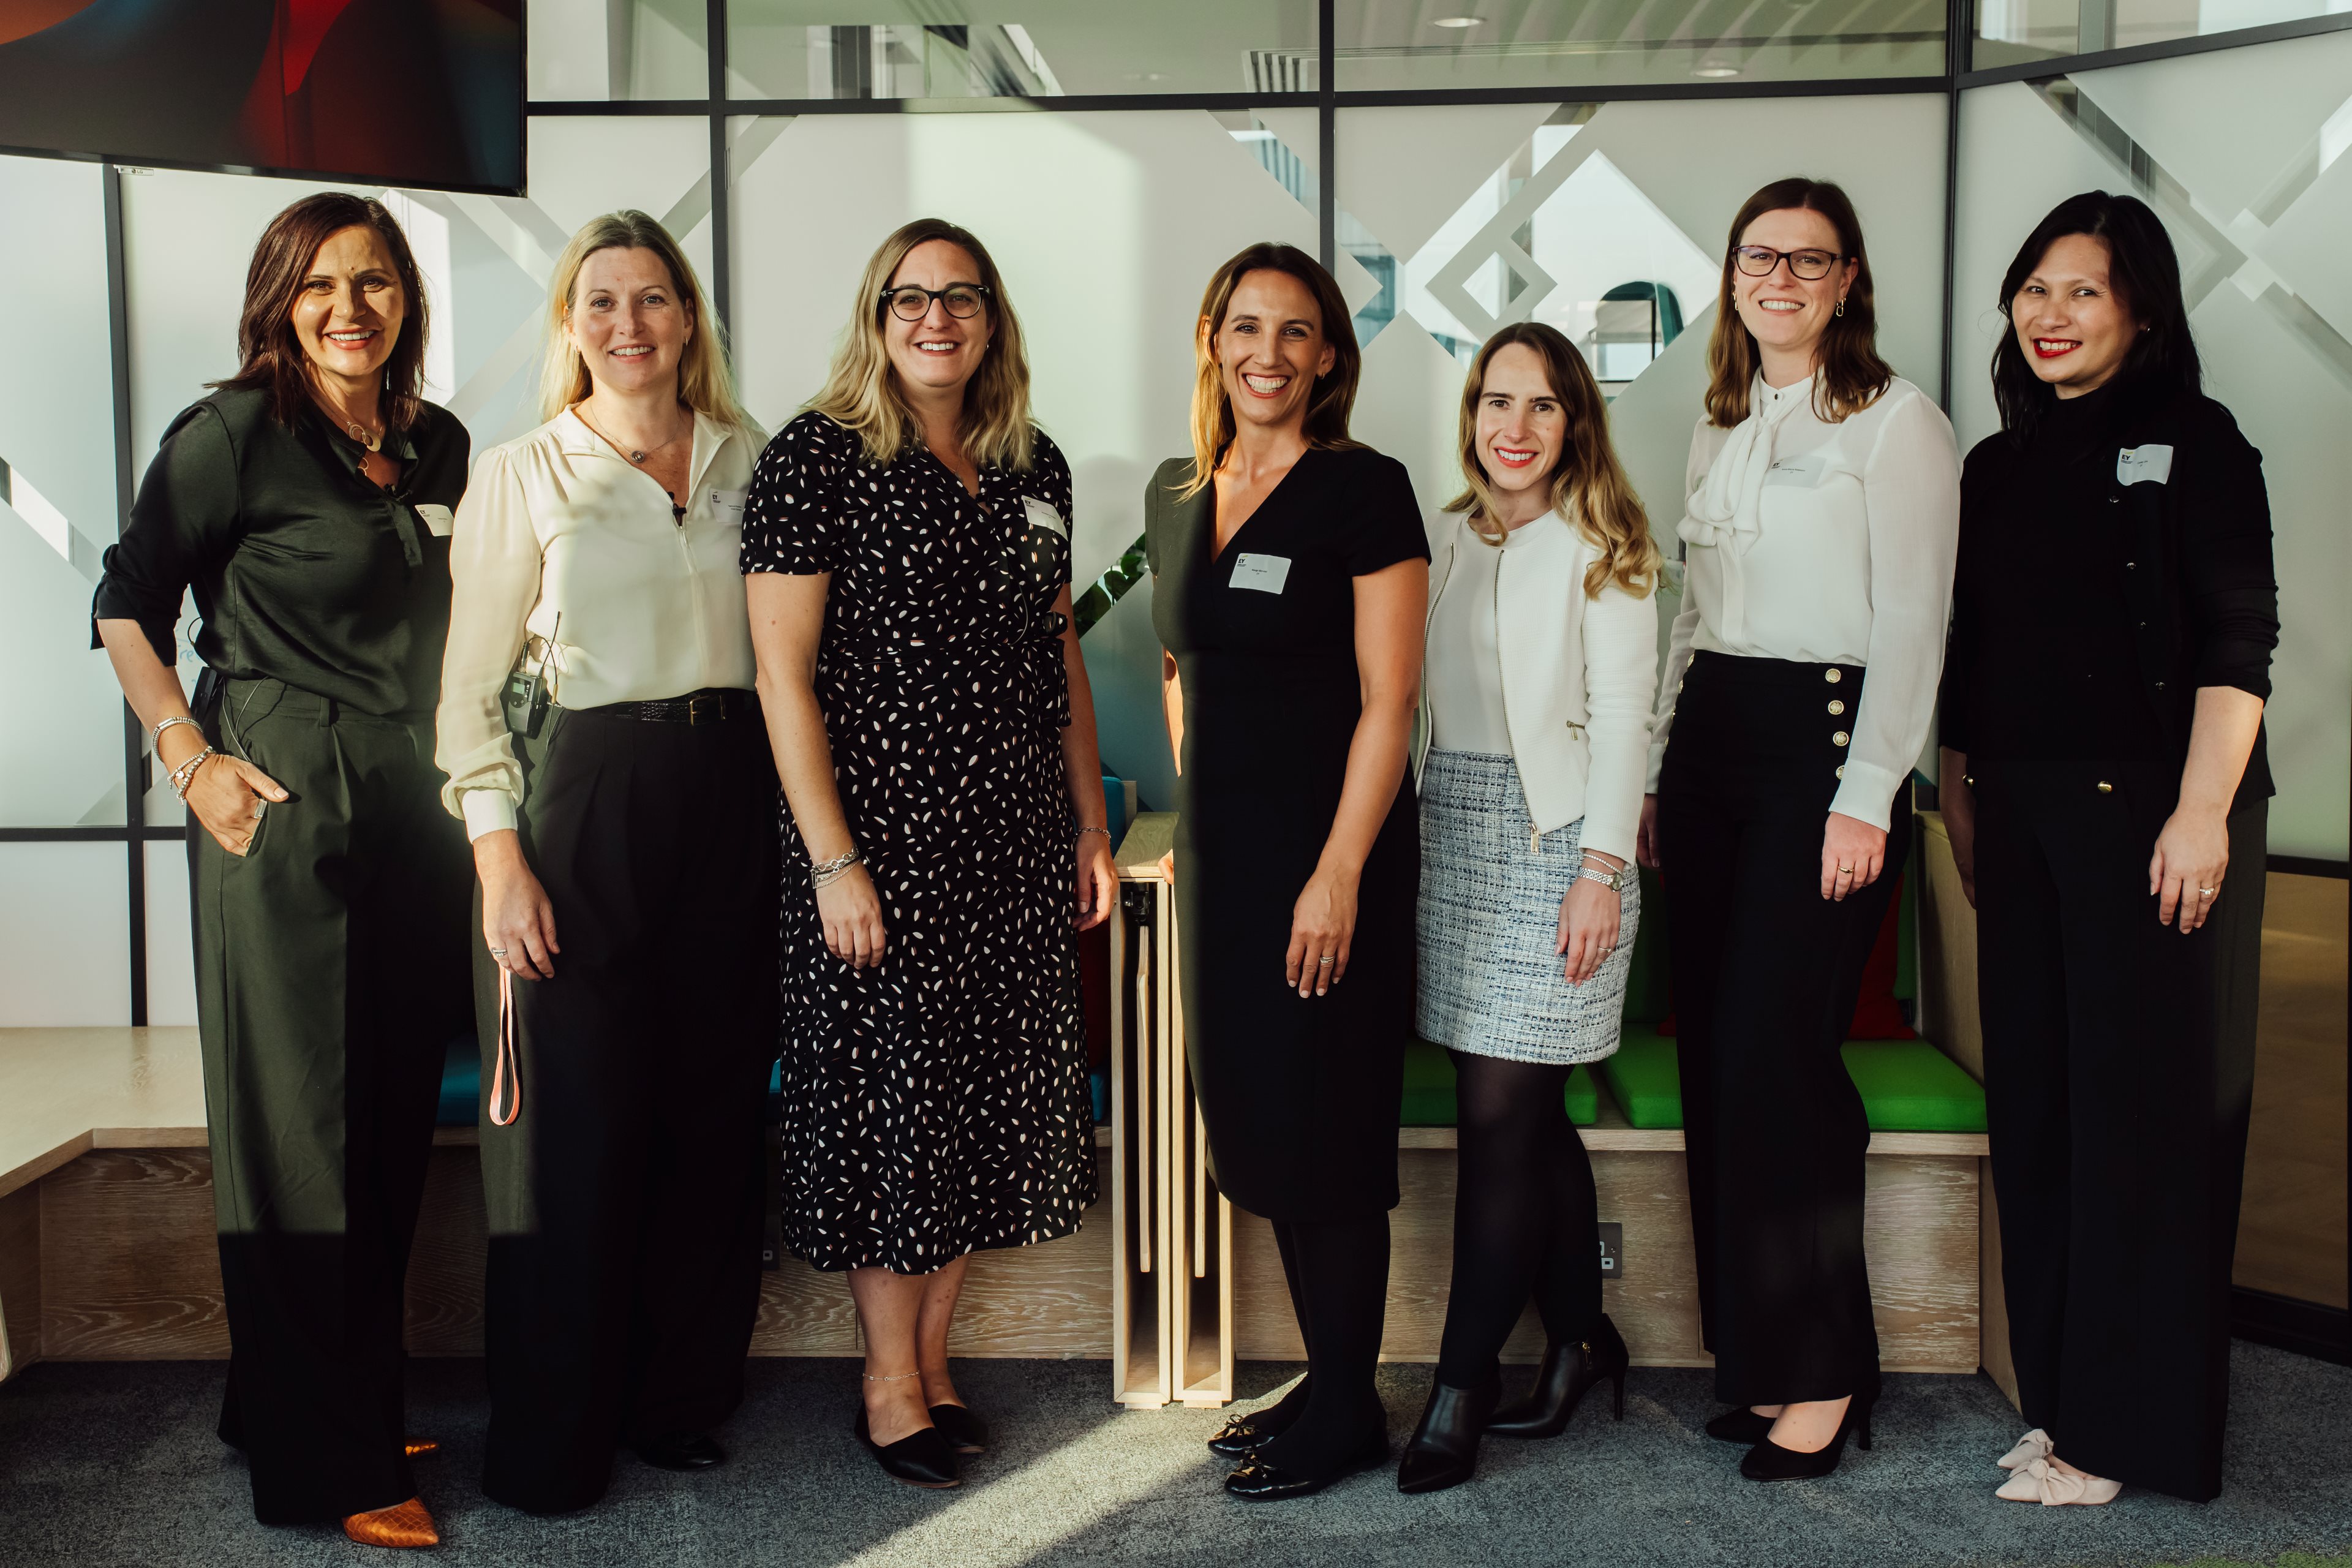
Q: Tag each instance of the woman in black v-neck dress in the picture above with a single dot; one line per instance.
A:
(1297, 853)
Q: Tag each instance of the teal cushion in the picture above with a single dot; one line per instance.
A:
(461, 1084)
(1909, 1086)
(1429, 1090)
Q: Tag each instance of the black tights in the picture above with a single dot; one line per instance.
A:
(1338, 1277)
(1525, 1216)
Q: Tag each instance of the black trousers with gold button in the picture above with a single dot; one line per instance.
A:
(626, 1201)
(2119, 1064)
(1766, 973)
(331, 975)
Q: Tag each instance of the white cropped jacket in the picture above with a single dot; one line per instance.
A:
(1579, 676)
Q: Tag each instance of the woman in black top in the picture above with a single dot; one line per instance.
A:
(308, 503)
(1291, 577)
(2107, 793)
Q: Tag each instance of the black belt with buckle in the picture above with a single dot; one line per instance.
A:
(712, 705)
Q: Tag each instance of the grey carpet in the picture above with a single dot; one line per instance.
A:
(107, 1464)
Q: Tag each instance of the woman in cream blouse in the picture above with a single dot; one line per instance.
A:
(1542, 659)
(605, 749)
(1821, 525)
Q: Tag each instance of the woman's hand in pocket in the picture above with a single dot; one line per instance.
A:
(518, 919)
(228, 796)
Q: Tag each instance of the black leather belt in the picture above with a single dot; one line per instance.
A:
(712, 705)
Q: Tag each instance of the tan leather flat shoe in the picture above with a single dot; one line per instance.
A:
(403, 1524)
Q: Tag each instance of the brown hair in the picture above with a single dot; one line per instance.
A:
(861, 391)
(704, 384)
(1588, 487)
(1334, 393)
(1852, 375)
(271, 357)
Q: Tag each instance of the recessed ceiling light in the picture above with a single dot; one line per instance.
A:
(1146, 76)
(1714, 70)
(1456, 21)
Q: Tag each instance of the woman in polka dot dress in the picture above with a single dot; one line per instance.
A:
(907, 548)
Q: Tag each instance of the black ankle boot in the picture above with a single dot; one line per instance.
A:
(1444, 1448)
(1568, 1371)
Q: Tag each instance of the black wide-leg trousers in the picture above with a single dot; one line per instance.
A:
(2119, 1064)
(1766, 974)
(626, 1201)
(331, 975)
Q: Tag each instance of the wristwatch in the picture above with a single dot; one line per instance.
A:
(1616, 882)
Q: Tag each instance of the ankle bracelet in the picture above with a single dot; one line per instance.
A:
(897, 1377)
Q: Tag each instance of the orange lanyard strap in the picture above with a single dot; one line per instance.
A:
(507, 1070)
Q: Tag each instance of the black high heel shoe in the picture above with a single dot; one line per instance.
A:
(1444, 1448)
(1767, 1461)
(1568, 1371)
(920, 1458)
(1742, 1426)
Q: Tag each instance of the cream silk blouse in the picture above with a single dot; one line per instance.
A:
(1833, 543)
(556, 523)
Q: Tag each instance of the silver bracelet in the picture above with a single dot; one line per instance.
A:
(1104, 831)
(185, 774)
(1615, 881)
(156, 734)
(838, 864)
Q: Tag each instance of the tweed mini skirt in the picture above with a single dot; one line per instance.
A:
(1489, 917)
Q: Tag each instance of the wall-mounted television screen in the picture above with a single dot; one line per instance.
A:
(400, 92)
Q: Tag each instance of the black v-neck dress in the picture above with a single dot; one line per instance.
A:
(1300, 1096)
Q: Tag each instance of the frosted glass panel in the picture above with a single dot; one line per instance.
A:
(1037, 49)
(64, 935)
(1381, 45)
(2241, 153)
(1606, 221)
(170, 958)
(61, 747)
(613, 49)
(2011, 31)
(1106, 226)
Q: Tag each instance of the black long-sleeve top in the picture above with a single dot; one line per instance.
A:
(2110, 564)
(304, 570)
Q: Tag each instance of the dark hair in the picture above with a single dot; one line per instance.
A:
(1852, 375)
(269, 356)
(2145, 273)
(1335, 394)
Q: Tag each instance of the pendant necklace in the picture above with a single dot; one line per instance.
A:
(360, 434)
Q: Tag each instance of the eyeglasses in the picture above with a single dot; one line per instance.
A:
(1762, 260)
(911, 303)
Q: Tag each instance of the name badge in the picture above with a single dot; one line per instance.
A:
(1804, 470)
(1265, 574)
(437, 521)
(2150, 465)
(729, 504)
(1042, 515)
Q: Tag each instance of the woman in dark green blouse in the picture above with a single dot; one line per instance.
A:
(308, 502)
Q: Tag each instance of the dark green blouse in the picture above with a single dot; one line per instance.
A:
(304, 570)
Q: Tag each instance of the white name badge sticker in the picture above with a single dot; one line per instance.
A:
(1265, 574)
(1804, 470)
(729, 504)
(1043, 516)
(2150, 465)
(437, 521)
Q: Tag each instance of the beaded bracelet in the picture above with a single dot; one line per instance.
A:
(185, 774)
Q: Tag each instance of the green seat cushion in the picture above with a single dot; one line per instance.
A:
(1429, 1090)
(1642, 1077)
(1909, 1086)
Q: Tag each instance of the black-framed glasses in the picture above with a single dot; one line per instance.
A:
(1762, 260)
(912, 302)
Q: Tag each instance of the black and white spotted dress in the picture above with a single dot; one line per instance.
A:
(937, 1104)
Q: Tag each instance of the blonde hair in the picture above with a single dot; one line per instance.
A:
(1588, 486)
(704, 382)
(861, 391)
(1852, 376)
(1334, 393)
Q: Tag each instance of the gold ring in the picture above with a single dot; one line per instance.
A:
(1846, 870)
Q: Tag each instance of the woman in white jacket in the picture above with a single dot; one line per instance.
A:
(1541, 665)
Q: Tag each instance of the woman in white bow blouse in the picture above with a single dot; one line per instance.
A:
(1819, 541)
